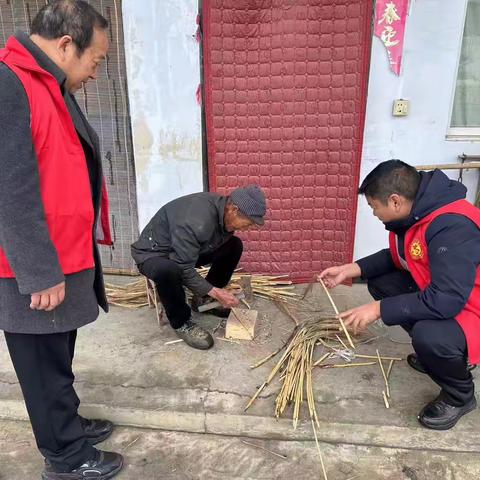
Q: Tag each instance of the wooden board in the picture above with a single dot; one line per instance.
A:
(241, 324)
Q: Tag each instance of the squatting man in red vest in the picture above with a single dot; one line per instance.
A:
(50, 198)
(192, 231)
(428, 281)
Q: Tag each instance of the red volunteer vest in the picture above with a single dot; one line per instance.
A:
(416, 256)
(64, 179)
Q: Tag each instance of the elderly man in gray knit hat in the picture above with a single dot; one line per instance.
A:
(193, 231)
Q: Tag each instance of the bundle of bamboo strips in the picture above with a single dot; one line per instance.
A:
(298, 361)
(134, 294)
(270, 287)
(295, 369)
(131, 295)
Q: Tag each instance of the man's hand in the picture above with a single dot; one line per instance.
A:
(48, 299)
(226, 298)
(359, 318)
(334, 276)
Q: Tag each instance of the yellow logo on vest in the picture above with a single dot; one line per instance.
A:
(416, 250)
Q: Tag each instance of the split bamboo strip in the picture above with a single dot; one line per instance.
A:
(267, 358)
(319, 452)
(321, 359)
(257, 393)
(283, 306)
(308, 290)
(265, 449)
(341, 341)
(392, 359)
(389, 371)
(346, 365)
(384, 374)
(385, 399)
(311, 404)
(229, 340)
(337, 313)
(245, 303)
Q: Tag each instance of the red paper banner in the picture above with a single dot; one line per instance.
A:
(390, 19)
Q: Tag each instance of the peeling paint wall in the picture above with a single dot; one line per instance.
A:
(163, 75)
(433, 39)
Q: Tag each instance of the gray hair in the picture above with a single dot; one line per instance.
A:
(76, 18)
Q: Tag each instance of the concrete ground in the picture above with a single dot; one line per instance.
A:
(181, 410)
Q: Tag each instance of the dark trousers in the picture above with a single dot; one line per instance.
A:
(440, 344)
(167, 276)
(43, 364)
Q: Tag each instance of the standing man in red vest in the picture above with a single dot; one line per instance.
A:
(50, 198)
(428, 281)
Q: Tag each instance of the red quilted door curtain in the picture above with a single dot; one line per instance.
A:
(285, 91)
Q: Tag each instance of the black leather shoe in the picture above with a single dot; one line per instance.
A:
(417, 365)
(439, 415)
(96, 431)
(104, 466)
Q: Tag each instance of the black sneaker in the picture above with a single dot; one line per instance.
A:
(417, 365)
(96, 431)
(197, 301)
(195, 336)
(439, 415)
(106, 465)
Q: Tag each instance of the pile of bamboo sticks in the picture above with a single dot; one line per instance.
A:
(131, 295)
(134, 294)
(295, 369)
(270, 287)
(297, 363)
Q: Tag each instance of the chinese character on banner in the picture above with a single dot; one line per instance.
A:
(390, 18)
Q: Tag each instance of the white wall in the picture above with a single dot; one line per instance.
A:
(431, 51)
(163, 76)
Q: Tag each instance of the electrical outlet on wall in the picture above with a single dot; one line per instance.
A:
(401, 107)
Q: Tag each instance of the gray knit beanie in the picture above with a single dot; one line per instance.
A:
(250, 201)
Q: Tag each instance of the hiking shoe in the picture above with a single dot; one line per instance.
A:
(417, 365)
(195, 336)
(197, 301)
(96, 431)
(439, 415)
(105, 465)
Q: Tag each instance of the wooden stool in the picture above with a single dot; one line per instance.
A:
(154, 301)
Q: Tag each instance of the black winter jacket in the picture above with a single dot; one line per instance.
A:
(182, 230)
(453, 243)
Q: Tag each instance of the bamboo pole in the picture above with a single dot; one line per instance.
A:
(449, 166)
